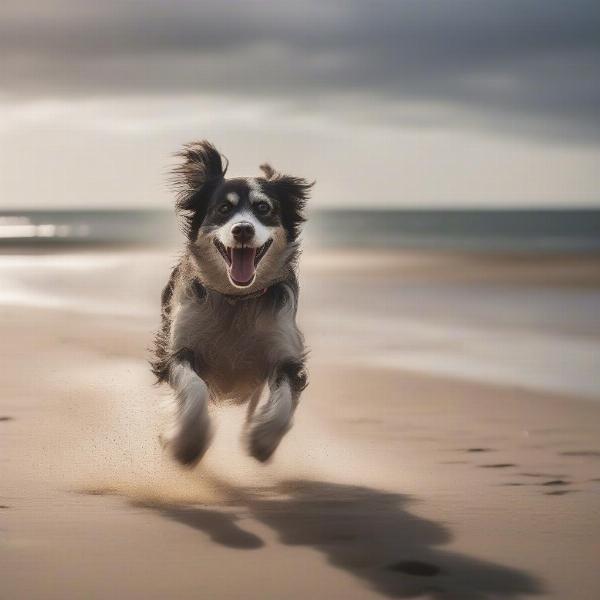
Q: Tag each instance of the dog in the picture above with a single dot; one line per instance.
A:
(228, 319)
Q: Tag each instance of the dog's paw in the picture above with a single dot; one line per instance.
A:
(188, 445)
(263, 438)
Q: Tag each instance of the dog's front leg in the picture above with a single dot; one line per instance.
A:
(274, 420)
(190, 432)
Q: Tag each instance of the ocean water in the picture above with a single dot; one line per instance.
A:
(538, 337)
(490, 230)
(543, 338)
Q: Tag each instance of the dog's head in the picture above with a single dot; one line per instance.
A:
(242, 233)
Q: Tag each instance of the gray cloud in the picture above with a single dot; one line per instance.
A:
(530, 65)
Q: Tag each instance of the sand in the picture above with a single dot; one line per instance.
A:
(394, 482)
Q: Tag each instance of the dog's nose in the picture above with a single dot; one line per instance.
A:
(242, 232)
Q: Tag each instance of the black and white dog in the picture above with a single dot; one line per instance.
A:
(229, 308)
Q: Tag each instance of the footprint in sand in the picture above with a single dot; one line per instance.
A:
(550, 475)
(556, 482)
(588, 453)
(498, 466)
(4, 418)
(550, 483)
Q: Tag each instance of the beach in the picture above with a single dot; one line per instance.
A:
(448, 445)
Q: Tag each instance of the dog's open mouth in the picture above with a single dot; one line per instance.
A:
(242, 261)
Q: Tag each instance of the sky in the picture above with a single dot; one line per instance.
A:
(388, 103)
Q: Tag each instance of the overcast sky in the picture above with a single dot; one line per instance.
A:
(388, 103)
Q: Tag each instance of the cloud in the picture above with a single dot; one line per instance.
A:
(525, 66)
(453, 102)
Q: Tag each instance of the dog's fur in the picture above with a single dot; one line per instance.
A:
(225, 339)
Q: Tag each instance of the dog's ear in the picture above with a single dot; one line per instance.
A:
(268, 170)
(195, 179)
(292, 194)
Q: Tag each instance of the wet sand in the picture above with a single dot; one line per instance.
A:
(393, 483)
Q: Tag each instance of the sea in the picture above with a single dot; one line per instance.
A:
(543, 230)
(546, 337)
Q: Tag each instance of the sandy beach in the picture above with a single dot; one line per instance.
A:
(448, 445)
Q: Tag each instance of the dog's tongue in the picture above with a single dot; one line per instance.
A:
(242, 264)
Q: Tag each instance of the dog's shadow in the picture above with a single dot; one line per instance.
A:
(365, 531)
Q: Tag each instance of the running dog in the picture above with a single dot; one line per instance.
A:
(229, 307)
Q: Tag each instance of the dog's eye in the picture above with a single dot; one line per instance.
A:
(225, 208)
(262, 207)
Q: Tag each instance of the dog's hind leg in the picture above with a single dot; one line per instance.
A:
(190, 432)
(274, 420)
